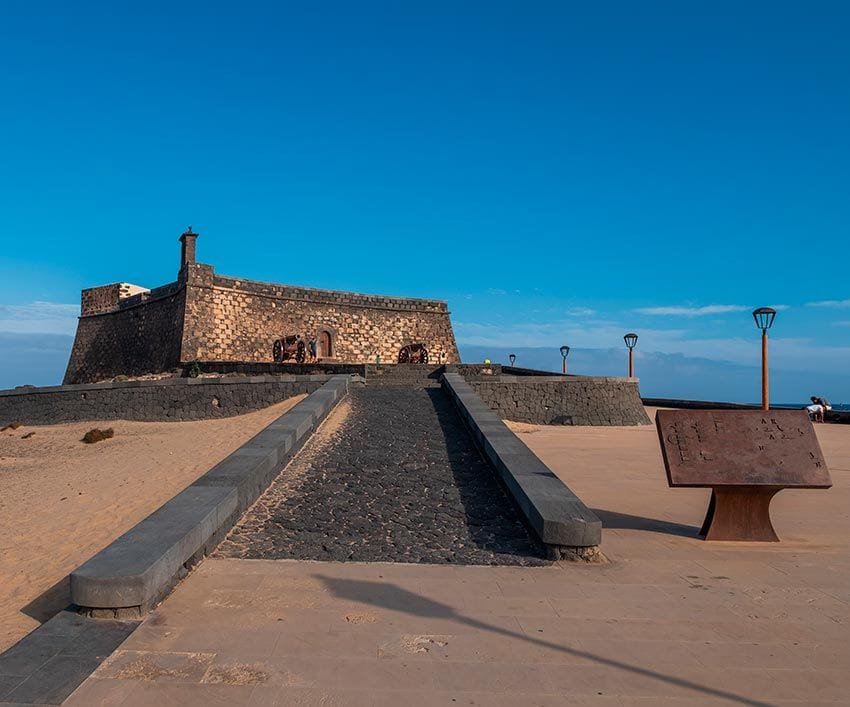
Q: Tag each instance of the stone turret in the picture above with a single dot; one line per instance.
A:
(187, 248)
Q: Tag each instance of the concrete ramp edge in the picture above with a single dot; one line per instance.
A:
(567, 527)
(137, 570)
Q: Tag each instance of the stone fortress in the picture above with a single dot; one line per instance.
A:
(128, 330)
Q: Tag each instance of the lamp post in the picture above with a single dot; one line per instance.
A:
(512, 358)
(764, 317)
(565, 351)
(631, 342)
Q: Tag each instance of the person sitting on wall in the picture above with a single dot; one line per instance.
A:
(818, 408)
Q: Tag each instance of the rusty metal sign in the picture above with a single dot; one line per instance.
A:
(741, 448)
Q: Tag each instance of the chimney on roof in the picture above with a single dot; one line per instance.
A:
(187, 248)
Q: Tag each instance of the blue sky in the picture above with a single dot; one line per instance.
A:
(560, 172)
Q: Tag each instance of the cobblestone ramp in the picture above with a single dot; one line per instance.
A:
(393, 476)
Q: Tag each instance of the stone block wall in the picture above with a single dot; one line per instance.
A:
(170, 400)
(97, 300)
(237, 320)
(141, 335)
(572, 400)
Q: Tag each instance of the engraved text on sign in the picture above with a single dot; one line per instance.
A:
(741, 448)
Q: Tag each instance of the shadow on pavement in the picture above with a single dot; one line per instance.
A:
(624, 521)
(393, 598)
(50, 602)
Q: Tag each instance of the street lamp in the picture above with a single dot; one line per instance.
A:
(631, 342)
(764, 317)
(512, 358)
(565, 351)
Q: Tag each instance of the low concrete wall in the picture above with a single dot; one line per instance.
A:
(563, 400)
(562, 522)
(168, 399)
(137, 570)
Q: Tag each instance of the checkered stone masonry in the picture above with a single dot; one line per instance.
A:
(126, 330)
(237, 320)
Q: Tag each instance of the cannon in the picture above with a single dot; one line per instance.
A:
(289, 348)
(413, 353)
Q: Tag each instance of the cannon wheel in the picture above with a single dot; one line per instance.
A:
(277, 351)
(413, 353)
(300, 352)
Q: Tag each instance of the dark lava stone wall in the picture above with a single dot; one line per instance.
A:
(171, 399)
(563, 401)
(141, 336)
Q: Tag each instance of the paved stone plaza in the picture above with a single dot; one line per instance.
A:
(671, 620)
(392, 476)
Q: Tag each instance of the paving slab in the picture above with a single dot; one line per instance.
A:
(46, 666)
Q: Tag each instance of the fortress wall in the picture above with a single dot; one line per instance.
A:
(228, 319)
(141, 336)
(171, 399)
(563, 400)
(97, 300)
(107, 298)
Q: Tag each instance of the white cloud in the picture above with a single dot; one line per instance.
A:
(580, 312)
(831, 303)
(692, 311)
(496, 291)
(39, 318)
(593, 334)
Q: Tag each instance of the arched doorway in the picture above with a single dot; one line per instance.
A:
(325, 344)
(413, 353)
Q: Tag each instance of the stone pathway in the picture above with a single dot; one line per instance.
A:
(392, 476)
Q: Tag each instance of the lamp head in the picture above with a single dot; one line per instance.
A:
(631, 340)
(512, 358)
(565, 351)
(764, 317)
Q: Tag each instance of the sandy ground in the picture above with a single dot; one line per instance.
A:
(61, 500)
